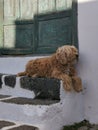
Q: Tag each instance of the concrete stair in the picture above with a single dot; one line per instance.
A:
(25, 101)
(39, 88)
(7, 125)
(35, 103)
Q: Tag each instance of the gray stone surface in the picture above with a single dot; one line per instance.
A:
(4, 96)
(44, 88)
(25, 127)
(0, 80)
(22, 101)
(10, 80)
(5, 123)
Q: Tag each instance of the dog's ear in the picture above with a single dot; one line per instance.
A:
(61, 56)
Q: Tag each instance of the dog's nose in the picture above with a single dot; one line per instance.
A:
(77, 56)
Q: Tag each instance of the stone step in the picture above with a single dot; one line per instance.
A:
(30, 101)
(35, 88)
(37, 103)
(29, 112)
(5, 124)
(8, 125)
(27, 100)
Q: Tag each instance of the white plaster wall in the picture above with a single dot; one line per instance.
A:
(88, 65)
(13, 65)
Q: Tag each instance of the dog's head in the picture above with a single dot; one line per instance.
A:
(67, 54)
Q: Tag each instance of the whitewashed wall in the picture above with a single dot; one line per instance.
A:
(88, 66)
(87, 103)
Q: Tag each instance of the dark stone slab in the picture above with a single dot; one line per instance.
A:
(5, 123)
(44, 88)
(10, 80)
(0, 80)
(4, 96)
(25, 127)
(22, 101)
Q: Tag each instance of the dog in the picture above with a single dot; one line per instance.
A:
(59, 65)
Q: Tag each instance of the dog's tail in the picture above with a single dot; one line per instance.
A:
(21, 74)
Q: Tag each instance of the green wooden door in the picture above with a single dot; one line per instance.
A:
(36, 26)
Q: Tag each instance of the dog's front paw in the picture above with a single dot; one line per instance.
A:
(78, 89)
(77, 84)
(68, 85)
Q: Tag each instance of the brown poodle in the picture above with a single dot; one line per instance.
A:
(60, 65)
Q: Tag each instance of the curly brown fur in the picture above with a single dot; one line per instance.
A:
(60, 65)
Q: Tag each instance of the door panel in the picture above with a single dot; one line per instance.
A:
(17, 32)
(36, 26)
(52, 31)
(22, 39)
(55, 32)
(9, 36)
(46, 6)
(24, 31)
(28, 8)
(63, 4)
(11, 10)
